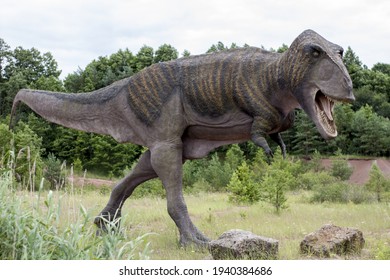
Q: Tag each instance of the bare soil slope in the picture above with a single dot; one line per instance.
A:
(362, 167)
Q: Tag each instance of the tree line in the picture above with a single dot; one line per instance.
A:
(364, 127)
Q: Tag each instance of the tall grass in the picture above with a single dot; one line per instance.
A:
(36, 230)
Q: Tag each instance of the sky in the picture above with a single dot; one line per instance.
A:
(76, 32)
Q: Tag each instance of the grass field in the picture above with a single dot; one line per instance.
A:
(214, 214)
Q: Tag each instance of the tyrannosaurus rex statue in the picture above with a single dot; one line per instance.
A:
(183, 109)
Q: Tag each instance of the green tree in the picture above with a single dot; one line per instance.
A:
(186, 53)
(242, 187)
(144, 58)
(377, 182)
(32, 64)
(21, 68)
(165, 53)
(101, 72)
(221, 47)
(234, 156)
(8, 91)
(341, 169)
(217, 173)
(276, 181)
(382, 67)
(370, 133)
(306, 139)
(50, 83)
(282, 48)
(5, 141)
(110, 157)
(5, 56)
(52, 171)
(28, 161)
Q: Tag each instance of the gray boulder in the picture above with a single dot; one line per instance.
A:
(331, 239)
(240, 244)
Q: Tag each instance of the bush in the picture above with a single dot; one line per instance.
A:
(78, 166)
(234, 156)
(52, 171)
(358, 194)
(192, 170)
(242, 187)
(341, 169)
(341, 192)
(334, 192)
(377, 183)
(152, 188)
(216, 173)
(313, 180)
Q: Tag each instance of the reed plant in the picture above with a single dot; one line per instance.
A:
(32, 227)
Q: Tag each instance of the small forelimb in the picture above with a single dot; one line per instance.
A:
(258, 133)
(262, 142)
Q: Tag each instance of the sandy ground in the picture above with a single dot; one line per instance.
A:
(362, 167)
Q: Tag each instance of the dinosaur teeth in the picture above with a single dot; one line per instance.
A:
(324, 108)
(328, 126)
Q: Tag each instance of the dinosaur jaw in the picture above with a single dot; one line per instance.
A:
(324, 106)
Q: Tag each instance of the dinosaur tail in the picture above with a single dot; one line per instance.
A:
(99, 111)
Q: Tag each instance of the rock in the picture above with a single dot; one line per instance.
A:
(240, 244)
(331, 239)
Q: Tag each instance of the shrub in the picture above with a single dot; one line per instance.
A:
(52, 171)
(242, 187)
(313, 180)
(334, 192)
(152, 187)
(315, 162)
(234, 156)
(28, 161)
(192, 170)
(357, 194)
(341, 169)
(274, 185)
(377, 182)
(216, 173)
(78, 166)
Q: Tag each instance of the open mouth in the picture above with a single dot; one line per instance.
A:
(324, 110)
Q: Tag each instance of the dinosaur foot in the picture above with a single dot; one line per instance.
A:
(195, 238)
(107, 221)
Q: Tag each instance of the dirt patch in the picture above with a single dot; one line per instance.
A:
(362, 167)
(360, 175)
(80, 181)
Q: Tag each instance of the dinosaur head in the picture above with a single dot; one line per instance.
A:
(319, 79)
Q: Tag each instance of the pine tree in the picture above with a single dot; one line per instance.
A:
(377, 182)
(242, 187)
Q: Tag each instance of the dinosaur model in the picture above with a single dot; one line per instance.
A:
(183, 109)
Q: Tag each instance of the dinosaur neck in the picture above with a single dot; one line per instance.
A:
(283, 79)
(90, 112)
(291, 70)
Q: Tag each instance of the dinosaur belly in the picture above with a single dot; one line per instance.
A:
(199, 141)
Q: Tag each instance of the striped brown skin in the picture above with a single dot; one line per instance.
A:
(150, 89)
(212, 84)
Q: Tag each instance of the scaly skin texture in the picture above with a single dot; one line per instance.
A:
(185, 108)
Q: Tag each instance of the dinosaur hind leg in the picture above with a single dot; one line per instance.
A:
(142, 172)
(166, 159)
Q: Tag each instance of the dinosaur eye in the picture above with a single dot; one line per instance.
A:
(316, 51)
(340, 53)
